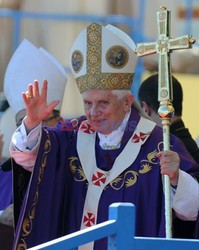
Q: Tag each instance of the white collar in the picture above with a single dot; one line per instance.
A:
(113, 140)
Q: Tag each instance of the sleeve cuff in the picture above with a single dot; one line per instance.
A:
(23, 142)
(186, 198)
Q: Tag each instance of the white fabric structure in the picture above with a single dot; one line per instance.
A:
(27, 64)
(7, 128)
(103, 57)
(111, 36)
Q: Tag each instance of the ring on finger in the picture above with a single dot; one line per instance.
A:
(28, 96)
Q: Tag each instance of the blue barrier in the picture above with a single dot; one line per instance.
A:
(120, 230)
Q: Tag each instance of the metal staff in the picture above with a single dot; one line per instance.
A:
(164, 46)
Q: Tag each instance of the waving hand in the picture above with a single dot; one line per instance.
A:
(36, 104)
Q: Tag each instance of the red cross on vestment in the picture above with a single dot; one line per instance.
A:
(137, 137)
(98, 179)
(89, 220)
(86, 127)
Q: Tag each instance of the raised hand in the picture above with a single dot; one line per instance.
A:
(36, 104)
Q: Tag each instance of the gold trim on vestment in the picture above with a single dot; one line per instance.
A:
(26, 227)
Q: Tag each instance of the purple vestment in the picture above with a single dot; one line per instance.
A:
(5, 189)
(54, 201)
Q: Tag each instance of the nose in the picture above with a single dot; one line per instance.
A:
(94, 111)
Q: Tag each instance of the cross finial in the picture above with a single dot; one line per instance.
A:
(164, 45)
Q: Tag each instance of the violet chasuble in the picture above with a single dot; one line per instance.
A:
(70, 173)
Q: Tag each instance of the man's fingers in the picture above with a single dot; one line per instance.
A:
(168, 157)
(44, 89)
(36, 88)
(165, 153)
(30, 90)
(52, 105)
(25, 99)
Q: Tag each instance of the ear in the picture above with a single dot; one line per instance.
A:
(146, 108)
(129, 99)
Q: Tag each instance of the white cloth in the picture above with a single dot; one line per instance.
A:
(24, 147)
(186, 185)
(185, 199)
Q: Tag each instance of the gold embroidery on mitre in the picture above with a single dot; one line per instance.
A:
(105, 81)
(117, 57)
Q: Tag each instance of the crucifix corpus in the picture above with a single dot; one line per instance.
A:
(164, 46)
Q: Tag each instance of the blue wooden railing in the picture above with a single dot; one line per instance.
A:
(120, 230)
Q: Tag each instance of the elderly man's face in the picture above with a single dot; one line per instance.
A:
(104, 111)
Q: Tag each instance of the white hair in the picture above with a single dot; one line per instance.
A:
(120, 93)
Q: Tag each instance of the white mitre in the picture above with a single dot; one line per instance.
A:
(27, 64)
(103, 58)
(7, 128)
